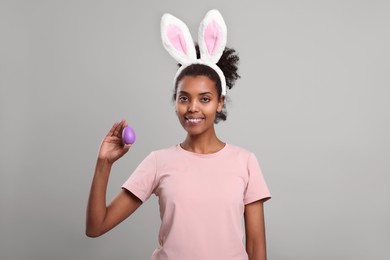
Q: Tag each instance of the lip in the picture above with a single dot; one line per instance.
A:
(194, 120)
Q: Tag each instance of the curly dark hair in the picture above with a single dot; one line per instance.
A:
(228, 63)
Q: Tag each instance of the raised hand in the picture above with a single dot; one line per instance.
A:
(100, 217)
(112, 147)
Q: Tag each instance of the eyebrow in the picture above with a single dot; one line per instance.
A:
(200, 94)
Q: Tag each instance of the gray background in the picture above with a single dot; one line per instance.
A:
(312, 104)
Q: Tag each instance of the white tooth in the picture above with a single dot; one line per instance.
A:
(194, 120)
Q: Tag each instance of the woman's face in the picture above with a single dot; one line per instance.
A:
(197, 103)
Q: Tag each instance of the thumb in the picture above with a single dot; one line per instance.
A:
(126, 147)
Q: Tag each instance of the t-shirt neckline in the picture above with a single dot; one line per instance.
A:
(201, 155)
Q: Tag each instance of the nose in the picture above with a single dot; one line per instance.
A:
(193, 106)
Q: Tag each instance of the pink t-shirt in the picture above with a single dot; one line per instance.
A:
(202, 199)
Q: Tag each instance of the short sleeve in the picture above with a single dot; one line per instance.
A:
(257, 188)
(143, 180)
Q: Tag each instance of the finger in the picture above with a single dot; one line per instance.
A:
(123, 125)
(118, 128)
(111, 132)
(127, 147)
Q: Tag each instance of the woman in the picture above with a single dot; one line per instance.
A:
(205, 186)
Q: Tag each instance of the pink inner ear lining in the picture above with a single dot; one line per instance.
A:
(176, 37)
(212, 37)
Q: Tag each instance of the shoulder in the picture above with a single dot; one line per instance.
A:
(239, 151)
(242, 155)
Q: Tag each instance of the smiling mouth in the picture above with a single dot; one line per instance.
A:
(193, 120)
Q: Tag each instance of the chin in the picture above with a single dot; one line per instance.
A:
(192, 131)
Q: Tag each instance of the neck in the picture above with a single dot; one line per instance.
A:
(202, 144)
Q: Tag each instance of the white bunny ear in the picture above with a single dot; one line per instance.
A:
(177, 39)
(212, 36)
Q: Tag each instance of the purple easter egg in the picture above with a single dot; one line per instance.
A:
(128, 135)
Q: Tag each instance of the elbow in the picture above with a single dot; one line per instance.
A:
(92, 233)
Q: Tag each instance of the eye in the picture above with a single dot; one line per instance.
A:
(205, 99)
(182, 99)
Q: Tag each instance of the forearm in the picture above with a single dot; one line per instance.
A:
(256, 250)
(97, 208)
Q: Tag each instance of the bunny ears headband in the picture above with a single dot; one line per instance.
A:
(178, 42)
